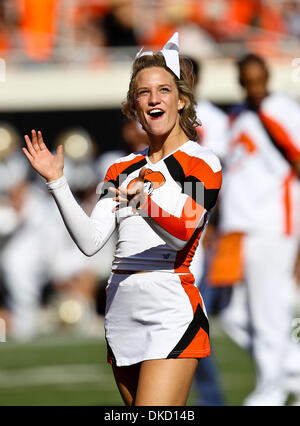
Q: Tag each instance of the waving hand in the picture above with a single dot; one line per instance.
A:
(41, 159)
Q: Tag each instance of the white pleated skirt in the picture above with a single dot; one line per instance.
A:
(154, 315)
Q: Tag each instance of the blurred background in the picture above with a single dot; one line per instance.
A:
(64, 69)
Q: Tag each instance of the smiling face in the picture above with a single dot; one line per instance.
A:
(157, 101)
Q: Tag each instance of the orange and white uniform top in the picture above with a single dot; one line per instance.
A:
(163, 233)
(260, 191)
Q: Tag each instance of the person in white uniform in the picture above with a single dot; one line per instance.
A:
(159, 201)
(260, 202)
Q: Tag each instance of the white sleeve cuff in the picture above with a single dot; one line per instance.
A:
(57, 183)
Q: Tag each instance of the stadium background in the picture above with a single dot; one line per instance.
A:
(65, 64)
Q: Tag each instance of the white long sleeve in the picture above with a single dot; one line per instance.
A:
(90, 233)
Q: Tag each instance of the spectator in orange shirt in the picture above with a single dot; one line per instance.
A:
(38, 25)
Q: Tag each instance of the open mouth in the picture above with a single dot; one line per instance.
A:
(156, 113)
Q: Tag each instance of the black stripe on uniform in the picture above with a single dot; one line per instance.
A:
(175, 169)
(195, 189)
(190, 185)
(134, 166)
(110, 353)
(199, 321)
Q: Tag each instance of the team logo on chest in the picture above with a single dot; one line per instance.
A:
(153, 180)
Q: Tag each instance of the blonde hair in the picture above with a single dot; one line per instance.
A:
(188, 119)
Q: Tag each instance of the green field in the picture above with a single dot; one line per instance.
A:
(66, 370)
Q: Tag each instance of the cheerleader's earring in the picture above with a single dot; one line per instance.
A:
(181, 105)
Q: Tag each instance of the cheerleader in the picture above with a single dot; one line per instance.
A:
(158, 200)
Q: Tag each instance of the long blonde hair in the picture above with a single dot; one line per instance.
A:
(188, 119)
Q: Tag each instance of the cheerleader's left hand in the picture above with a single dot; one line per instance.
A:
(134, 196)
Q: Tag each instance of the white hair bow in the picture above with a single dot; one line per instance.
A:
(170, 52)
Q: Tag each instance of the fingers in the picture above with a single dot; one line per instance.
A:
(142, 174)
(35, 141)
(113, 190)
(29, 146)
(60, 152)
(40, 141)
(118, 192)
(129, 194)
(124, 192)
(30, 157)
(59, 149)
(121, 196)
(131, 197)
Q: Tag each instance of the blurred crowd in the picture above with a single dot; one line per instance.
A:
(81, 30)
